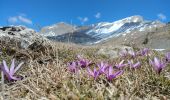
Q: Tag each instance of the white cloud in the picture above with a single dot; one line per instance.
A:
(24, 20)
(12, 19)
(83, 20)
(98, 15)
(161, 16)
(19, 19)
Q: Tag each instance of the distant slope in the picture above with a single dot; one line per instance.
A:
(156, 38)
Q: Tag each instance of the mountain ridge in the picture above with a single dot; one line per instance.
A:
(99, 32)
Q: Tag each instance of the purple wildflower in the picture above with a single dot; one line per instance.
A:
(93, 73)
(102, 67)
(167, 57)
(83, 62)
(132, 53)
(134, 65)
(143, 52)
(9, 72)
(72, 67)
(157, 64)
(120, 65)
(110, 75)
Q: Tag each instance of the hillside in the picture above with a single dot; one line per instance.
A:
(158, 38)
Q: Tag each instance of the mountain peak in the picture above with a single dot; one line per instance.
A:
(136, 18)
(57, 29)
(63, 23)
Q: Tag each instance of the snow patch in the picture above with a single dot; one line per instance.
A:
(159, 49)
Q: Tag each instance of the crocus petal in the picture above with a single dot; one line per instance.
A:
(151, 62)
(12, 67)
(9, 73)
(136, 65)
(102, 67)
(158, 65)
(102, 70)
(84, 63)
(153, 65)
(4, 72)
(90, 72)
(93, 73)
(72, 64)
(110, 70)
(120, 65)
(143, 52)
(94, 70)
(72, 67)
(132, 65)
(96, 73)
(14, 78)
(130, 62)
(157, 62)
(18, 67)
(132, 53)
(5, 67)
(119, 73)
(110, 77)
(167, 57)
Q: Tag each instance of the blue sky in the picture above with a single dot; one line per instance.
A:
(39, 13)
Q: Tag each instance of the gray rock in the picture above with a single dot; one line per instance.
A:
(21, 36)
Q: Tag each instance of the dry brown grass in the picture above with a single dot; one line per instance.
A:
(50, 80)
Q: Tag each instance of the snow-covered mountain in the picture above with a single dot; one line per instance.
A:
(57, 29)
(99, 32)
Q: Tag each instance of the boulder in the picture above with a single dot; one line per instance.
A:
(22, 37)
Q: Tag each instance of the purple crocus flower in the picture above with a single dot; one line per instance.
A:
(102, 67)
(167, 57)
(94, 73)
(143, 52)
(110, 75)
(9, 72)
(72, 67)
(83, 62)
(134, 65)
(132, 53)
(157, 64)
(120, 65)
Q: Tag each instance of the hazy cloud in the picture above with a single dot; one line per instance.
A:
(12, 19)
(83, 20)
(24, 20)
(19, 19)
(98, 15)
(161, 16)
